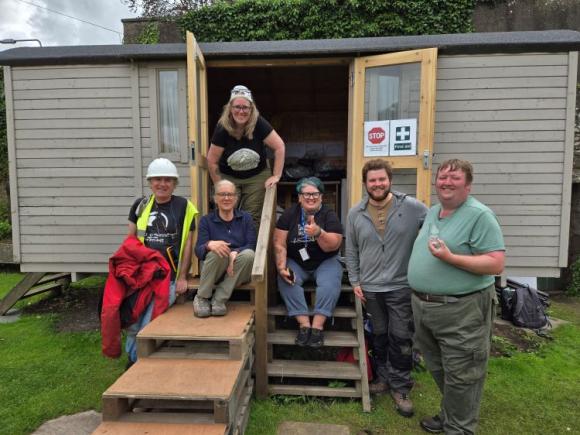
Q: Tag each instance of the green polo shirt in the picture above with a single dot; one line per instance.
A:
(472, 229)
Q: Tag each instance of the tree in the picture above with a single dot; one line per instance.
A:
(165, 8)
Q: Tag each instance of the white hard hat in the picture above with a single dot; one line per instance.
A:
(162, 168)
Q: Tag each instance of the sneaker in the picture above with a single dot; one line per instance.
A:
(302, 337)
(432, 424)
(378, 387)
(316, 340)
(201, 307)
(218, 308)
(403, 403)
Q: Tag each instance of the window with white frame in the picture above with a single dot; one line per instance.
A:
(169, 112)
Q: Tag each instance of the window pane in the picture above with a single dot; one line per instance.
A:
(168, 112)
(392, 92)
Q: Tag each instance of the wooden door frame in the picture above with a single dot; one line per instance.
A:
(198, 138)
(422, 161)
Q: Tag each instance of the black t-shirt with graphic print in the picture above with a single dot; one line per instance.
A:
(292, 220)
(164, 228)
(232, 148)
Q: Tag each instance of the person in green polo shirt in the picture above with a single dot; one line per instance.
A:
(455, 257)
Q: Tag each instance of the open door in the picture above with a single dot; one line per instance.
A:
(392, 116)
(197, 129)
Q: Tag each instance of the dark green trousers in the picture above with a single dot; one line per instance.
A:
(252, 193)
(455, 339)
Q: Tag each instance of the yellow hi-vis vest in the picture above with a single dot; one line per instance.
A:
(190, 214)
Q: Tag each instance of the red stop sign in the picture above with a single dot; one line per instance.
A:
(376, 135)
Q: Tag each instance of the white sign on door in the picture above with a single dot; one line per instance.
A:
(403, 137)
(376, 139)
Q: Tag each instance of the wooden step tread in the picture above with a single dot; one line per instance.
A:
(343, 312)
(331, 338)
(179, 323)
(314, 369)
(310, 390)
(311, 286)
(193, 284)
(183, 379)
(134, 428)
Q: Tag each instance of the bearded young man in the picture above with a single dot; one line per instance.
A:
(380, 233)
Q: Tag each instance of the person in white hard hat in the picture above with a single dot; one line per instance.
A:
(164, 222)
(237, 151)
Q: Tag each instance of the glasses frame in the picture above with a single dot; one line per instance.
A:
(311, 195)
(226, 194)
(242, 109)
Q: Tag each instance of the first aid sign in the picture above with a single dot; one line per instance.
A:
(376, 139)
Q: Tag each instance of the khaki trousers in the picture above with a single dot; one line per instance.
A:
(455, 340)
(214, 268)
(252, 193)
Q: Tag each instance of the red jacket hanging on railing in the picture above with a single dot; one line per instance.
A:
(134, 267)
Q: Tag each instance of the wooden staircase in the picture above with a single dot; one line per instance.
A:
(193, 376)
(308, 372)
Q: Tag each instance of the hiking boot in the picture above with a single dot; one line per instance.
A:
(218, 308)
(201, 307)
(378, 387)
(403, 403)
(316, 340)
(432, 424)
(302, 337)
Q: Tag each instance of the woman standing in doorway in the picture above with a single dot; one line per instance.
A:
(237, 151)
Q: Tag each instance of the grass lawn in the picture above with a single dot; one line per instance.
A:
(45, 373)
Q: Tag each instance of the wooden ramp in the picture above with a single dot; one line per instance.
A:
(193, 376)
(308, 372)
(34, 283)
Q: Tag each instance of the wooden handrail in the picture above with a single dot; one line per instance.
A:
(261, 281)
(264, 235)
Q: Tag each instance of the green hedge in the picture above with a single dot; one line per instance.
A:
(264, 20)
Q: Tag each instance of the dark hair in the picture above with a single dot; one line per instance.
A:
(377, 165)
(457, 164)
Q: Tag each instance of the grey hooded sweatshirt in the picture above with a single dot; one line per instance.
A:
(380, 265)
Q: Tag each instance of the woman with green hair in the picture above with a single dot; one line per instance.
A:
(307, 238)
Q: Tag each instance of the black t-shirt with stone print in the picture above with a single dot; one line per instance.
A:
(291, 221)
(164, 227)
(231, 146)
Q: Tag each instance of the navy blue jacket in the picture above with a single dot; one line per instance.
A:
(240, 233)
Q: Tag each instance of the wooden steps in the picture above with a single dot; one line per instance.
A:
(128, 428)
(192, 391)
(339, 312)
(178, 333)
(331, 338)
(193, 376)
(314, 369)
(314, 374)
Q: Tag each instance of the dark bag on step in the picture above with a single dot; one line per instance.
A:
(527, 310)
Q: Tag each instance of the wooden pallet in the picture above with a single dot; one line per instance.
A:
(131, 428)
(184, 391)
(179, 334)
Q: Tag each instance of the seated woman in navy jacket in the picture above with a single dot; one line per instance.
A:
(226, 242)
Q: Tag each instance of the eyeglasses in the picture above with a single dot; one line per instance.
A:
(311, 195)
(243, 109)
(226, 195)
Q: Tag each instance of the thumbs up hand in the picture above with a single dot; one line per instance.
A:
(311, 228)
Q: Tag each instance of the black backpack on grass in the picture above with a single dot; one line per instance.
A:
(527, 311)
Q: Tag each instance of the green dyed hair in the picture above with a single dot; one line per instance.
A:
(312, 181)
